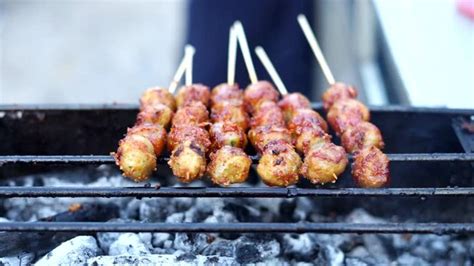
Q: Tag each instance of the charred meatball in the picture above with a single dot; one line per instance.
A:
(229, 112)
(261, 136)
(229, 165)
(361, 136)
(193, 114)
(158, 114)
(156, 95)
(136, 157)
(269, 114)
(193, 93)
(306, 118)
(257, 93)
(154, 133)
(180, 134)
(279, 165)
(223, 134)
(347, 113)
(337, 92)
(371, 168)
(227, 93)
(293, 102)
(324, 163)
(188, 161)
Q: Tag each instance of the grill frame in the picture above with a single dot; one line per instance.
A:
(265, 192)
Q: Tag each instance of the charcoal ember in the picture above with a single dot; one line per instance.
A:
(72, 252)
(240, 212)
(182, 204)
(128, 243)
(287, 210)
(155, 210)
(408, 259)
(221, 247)
(160, 259)
(300, 247)
(175, 218)
(355, 262)
(18, 260)
(249, 249)
(195, 242)
(376, 247)
(31, 209)
(186, 257)
(207, 205)
(105, 239)
(247, 253)
(159, 239)
(329, 255)
(362, 216)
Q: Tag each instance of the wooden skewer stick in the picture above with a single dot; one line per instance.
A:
(189, 51)
(262, 55)
(179, 74)
(244, 47)
(313, 42)
(232, 55)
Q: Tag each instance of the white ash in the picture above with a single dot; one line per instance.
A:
(72, 252)
(224, 248)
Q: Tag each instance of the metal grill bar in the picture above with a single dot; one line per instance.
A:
(109, 192)
(92, 227)
(107, 159)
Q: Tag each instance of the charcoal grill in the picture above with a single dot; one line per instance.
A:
(430, 152)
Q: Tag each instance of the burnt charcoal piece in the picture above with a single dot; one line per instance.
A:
(16, 242)
(247, 253)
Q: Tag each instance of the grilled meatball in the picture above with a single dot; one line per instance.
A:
(155, 134)
(308, 138)
(136, 157)
(360, 136)
(227, 93)
(293, 102)
(306, 118)
(279, 165)
(257, 93)
(193, 93)
(223, 134)
(194, 113)
(261, 136)
(230, 112)
(182, 133)
(323, 163)
(158, 114)
(157, 95)
(188, 161)
(371, 168)
(269, 114)
(347, 113)
(229, 165)
(337, 92)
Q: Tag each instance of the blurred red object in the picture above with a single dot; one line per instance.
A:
(466, 7)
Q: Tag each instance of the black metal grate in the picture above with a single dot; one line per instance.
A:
(20, 161)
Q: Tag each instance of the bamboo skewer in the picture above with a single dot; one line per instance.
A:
(179, 73)
(189, 51)
(244, 47)
(232, 56)
(267, 63)
(313, 42)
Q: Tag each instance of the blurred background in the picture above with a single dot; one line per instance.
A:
(418, 52)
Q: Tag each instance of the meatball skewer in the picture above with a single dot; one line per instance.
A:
(323, 160)
(138, 150)
(229, 163)
(188, 140)
(349, 119)
(279, 162)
